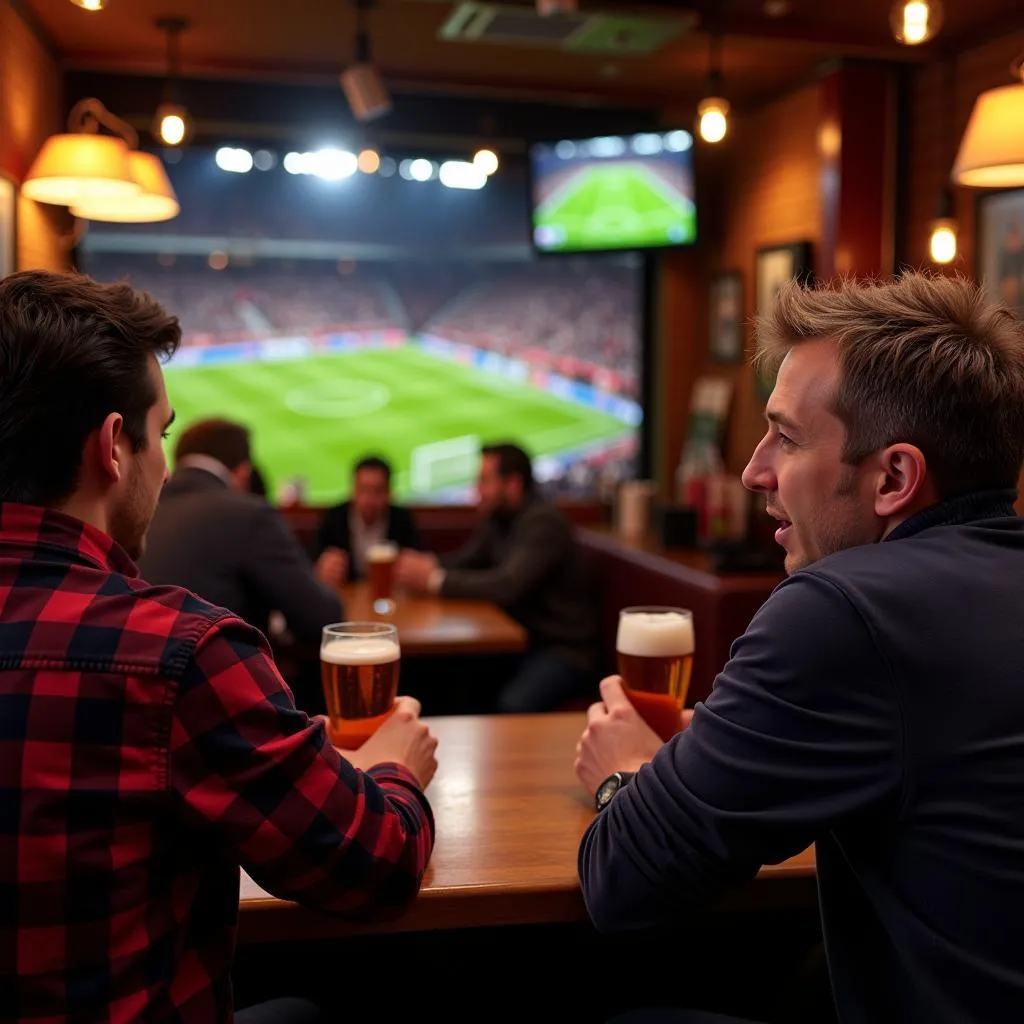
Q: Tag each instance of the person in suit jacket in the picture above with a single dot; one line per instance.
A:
(350, 529)
(229, 546)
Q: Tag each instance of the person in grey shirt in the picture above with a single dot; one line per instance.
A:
(522, 557)
(229, 546)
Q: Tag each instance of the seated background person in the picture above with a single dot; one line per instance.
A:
(523, 558)
(213, 537)
(368, 518)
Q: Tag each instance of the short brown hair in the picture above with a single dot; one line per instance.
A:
(512, 461)
(223, 440)
(71, 352)
(923, 359)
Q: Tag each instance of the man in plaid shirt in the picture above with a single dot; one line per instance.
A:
(148, 745)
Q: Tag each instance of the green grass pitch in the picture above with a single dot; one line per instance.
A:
(315, 416)
(617, 206)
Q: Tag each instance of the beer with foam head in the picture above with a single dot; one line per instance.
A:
(359, 667)
(655, 654)
(380, 567)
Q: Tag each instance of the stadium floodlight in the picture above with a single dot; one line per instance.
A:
(678, 141)
(421, 170)
(565, 150)
(462, 174)
(333, 164)
(647, 144)
(295, 163)
(608, 146)
(234, 161)
(486, 160)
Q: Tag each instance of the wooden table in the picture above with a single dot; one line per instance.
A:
(432, 625)
(509, 813)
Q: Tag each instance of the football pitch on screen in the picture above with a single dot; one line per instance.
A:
(622, 206)
(315, 416)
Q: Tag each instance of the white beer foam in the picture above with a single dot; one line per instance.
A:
(360, 652)
(382, 553)
(655, 634)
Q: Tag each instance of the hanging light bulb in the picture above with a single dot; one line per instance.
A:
(713, 110)
(171, 123)
(90, 5)
(915, 21)
(942, 231)
(942, 243)
(714, 118)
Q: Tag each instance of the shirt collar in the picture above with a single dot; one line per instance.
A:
(208, 464)
(967, 508)
(29, 532)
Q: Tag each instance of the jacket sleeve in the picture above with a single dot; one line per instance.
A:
(407, 533)
(279, 571)
(472, 554)
(541, 542)
(802, 732)
(261, 778)
(332, 532)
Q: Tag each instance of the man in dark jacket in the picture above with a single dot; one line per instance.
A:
(211, 536)
(874, 707)
(522, 557)
(368, 518)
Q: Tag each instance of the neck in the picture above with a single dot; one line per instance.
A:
(88, 510)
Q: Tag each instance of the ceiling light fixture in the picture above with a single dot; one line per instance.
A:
(942, 232)
(171, 123)
(713, 110)
(915, 21)
(100, 177)
(991, 153)
(367, 97)
(90, 5)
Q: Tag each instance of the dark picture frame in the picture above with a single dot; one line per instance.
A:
(725, 315)
(8, 225)
(999, 246)
(774, 265)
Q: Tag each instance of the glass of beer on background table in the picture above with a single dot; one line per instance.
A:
(359, 665)
(380, 565)
(655, 654)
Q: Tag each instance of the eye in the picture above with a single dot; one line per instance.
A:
(165, 434)
(784, 441)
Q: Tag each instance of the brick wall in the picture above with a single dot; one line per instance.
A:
(30, 110)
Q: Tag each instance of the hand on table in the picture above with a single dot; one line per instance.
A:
(616, 738)
(414, 569)
(405, 739)
(332, 567)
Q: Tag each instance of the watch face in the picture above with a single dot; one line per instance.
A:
(607, 790)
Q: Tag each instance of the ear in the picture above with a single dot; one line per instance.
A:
(903, 476)
(111, 439)
(242, 476)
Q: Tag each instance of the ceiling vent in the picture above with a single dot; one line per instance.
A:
(610, 34)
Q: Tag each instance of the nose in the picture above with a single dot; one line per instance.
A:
(759, 476)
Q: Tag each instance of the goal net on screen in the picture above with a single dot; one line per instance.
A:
(448, 463)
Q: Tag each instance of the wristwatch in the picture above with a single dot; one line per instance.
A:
(610, 787)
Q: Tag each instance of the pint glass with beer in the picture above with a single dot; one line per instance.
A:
(359, 665)
(655, 655)
(380, 565)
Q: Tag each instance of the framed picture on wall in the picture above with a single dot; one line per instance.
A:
(8, 219)
(1000, 260)
(773, 267)
(725, 331)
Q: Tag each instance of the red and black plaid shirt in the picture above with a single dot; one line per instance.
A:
(148, 746)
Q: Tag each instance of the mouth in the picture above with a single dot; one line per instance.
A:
(785, 526)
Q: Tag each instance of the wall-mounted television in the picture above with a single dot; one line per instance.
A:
(613, 192)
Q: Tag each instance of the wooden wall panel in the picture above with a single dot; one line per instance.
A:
(30, 110)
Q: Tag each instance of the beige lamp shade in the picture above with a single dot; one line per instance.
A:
(992, 150)
(156, 201)
(70, 168)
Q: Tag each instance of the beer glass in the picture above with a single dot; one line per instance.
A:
(381, 559)
(655, 655)
(359, 665)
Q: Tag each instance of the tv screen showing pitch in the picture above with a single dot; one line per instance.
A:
(613, 192)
